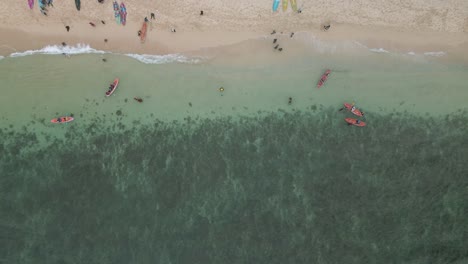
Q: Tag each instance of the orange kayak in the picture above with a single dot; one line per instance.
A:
(324, 78)
(355, 122)
(112, 87)
(143, 32)
(62, 119)
(353, 109)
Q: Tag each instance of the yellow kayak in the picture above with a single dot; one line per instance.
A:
(293, 5)
(285, 5)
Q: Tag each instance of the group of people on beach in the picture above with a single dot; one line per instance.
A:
(277, 47)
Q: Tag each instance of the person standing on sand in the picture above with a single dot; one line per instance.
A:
(146, 19)
(152, 16)
(67, 28)
(201, 13)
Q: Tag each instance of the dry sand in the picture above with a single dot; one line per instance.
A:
(417, 25)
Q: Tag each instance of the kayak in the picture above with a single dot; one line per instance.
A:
(112, 87)
(123, 14)
(116, 12)
(355, 122)
(355, 111)
(41, 4)
(31, 3)
(285, 5)
(62, 119)
(78, 4)
(323, 79)
(143, 32)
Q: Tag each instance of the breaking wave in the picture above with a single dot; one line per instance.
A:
(163, 59)
(59, 50)
(87, 49)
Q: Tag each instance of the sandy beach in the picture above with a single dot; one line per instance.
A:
(415, 26)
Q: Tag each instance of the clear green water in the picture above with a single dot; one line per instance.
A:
(195, 176)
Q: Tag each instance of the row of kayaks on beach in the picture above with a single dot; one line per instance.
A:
(120, 10)
(120, 13)
(276, 4)
(43, 3)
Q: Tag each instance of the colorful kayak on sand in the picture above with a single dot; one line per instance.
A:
(143, 30)
(275, 5)
(117, 12)
(355, 122)
(112, 87)
(31, 3)
(353, 109)
(62, 119)
(41, 4)
(285, 5)
(294, 5)
(123, 14)
(78, 4)
(323, 79)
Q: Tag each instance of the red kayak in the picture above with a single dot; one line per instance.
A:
(323, 79)
(353, 109)
(355, 122)
(112, 87)
(63, 119)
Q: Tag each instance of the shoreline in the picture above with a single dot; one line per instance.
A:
(454, 45)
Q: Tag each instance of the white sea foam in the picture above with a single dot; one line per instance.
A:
(163, 59)
(1, 57)
(411, 53)
(434, 53)
(379, 50)
(59, 49)
(86, 49)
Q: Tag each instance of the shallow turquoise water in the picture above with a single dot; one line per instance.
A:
(195, 176)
